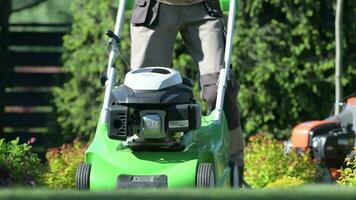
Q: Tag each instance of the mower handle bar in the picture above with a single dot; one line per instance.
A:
(225, 72)
(114, 49)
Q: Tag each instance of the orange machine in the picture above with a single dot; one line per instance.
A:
(302, 133)
(329, 141)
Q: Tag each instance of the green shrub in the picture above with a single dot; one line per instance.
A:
(285, 60)
(18, 165)
(266, 162)
(286, 181)
(62, 165)
(348, 174)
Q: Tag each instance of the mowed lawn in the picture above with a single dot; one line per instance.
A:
(300, 193)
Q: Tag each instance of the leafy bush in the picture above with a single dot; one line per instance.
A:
(266, 162)
(62, 165)
(18, 165)
(285, 59)
(286, 181)
(348, 174)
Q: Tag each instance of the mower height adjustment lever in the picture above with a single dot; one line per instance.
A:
(112, 35)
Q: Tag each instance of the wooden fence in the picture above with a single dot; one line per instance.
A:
(32, 65)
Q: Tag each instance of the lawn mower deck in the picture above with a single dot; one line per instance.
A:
(111, 165)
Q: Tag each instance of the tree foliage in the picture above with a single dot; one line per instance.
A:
(284, 58)
(78, 100)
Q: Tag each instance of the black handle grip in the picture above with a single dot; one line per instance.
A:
(112, 35)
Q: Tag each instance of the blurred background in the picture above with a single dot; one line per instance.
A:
(53, 52)
(31, 60)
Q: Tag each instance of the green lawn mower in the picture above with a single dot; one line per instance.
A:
(151, 133)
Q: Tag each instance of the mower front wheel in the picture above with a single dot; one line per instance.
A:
(82, 178)
(205, 175)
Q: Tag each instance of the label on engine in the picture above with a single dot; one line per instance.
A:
(178, 124)
(344, 142)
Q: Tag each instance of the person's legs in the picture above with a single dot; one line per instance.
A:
(153, 45)
(204, 38)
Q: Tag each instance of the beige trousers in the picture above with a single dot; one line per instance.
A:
(201, 33)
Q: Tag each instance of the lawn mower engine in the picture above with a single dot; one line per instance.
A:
(153, 109)
(329, 141)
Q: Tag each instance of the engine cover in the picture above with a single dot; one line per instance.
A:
(152, 78)
(153, 111)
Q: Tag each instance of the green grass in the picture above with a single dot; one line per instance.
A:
(303, 193)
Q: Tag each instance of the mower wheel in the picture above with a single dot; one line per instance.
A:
(82, 178)
(205, 175)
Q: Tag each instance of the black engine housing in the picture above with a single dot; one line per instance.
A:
(176, 102)
(332, 143)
